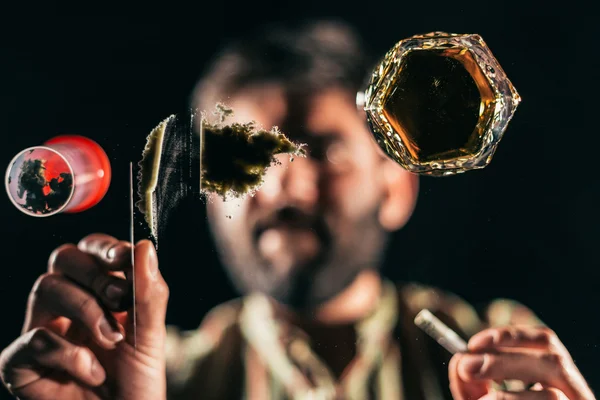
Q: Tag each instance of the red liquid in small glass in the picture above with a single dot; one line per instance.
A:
(91, 169)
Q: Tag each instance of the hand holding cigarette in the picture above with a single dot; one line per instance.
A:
(524, 353)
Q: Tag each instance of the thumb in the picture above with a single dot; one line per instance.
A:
(151, 296)
(461, 389)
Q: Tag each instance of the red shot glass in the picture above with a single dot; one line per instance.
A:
(67, 174)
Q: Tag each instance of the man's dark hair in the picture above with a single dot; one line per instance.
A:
(303, 59)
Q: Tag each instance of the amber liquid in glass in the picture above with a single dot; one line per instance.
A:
(440, 104)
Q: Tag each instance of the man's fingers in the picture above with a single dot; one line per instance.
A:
(85, 265)
(544, 394)
(54, 295)
(152, 292)
(84, 269)
(536, 340)
(517, 336)
(550, 369)
(40, 352)
(112, 252)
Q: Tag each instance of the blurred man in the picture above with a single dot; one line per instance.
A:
(317, 321)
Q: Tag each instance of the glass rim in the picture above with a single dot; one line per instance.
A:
(19, 206)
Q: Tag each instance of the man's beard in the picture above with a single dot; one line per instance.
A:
(315, 281)
(329, 276)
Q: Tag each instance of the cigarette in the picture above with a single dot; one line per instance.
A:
(440, 332)
(450, 340)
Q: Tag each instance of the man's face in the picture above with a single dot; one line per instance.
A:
(314, 224)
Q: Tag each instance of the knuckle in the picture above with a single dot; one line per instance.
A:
(6, 356)
(60, 255)
(555, 363)
(87, 307)
(551, 340)
(504, 335)
(38, 340)
(518, 335)
(162, 290)
(548, 335)
(44, 285)
(4, 368)
(86, 240)
(490, 363)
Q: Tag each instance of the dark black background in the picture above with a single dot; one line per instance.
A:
(526, 227)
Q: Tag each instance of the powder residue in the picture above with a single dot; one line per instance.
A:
(148, 173)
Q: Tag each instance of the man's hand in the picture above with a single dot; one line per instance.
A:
(529, 354)
(77, 340)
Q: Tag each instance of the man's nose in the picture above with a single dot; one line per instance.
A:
(291, 183)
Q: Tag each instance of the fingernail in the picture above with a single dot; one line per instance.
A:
(109, 332)
(111, 253)
(113, 292)
(472, 364)
(118, 251)
(153, 261)
(97, 371)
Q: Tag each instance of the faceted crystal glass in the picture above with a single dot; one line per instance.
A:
(439, 103)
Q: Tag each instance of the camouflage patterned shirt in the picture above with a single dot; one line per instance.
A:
(245, 350)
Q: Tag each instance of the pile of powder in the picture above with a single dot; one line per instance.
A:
(232, 159)
(235, 157)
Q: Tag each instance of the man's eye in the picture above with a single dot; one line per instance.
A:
(338, 156)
